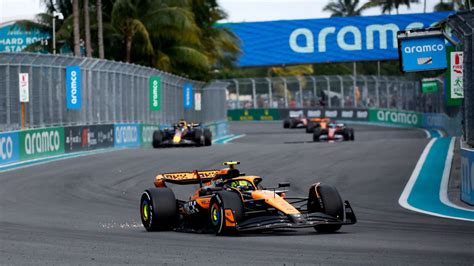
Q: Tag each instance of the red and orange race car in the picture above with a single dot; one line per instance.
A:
(332, 131)
(228, 202)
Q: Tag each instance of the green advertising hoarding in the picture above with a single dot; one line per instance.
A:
(253, 114)
(147, 134)
(429, 85)
(155, 93)
(41, 142)
(394, 117)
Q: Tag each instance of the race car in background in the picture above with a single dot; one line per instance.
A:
(182, 134)
(296, 119)
(333, 131)
(317, 122)
(228, 202)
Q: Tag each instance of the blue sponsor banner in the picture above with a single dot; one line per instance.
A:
(422, 54)
(127, 135)
(188, 96)
(9, 147)
(73, 87)
(467, 175)
(335, 39)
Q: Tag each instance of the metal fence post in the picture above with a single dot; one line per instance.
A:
(237, 92)
(285, 92)
(254, 94)
(314, 89)
(343, 102)
(270, 96)
(328, 82)
(300, 87)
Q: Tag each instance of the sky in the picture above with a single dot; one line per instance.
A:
(238, 10)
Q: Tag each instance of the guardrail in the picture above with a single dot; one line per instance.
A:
(37, 143)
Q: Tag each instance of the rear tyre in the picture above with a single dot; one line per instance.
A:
(346, 133)
(293, 123)
(207, 137)
(310, 127)
(286, 123)
(316, 134)
(352, 134)
(329, 202)
(158, 209)
(157, 138)
(198, 137)
(220, 202)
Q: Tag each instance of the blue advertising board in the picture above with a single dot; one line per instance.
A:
(15, 39)
(188, 96)
(127, 135)
(73, 87)
(467, 175)
(9, 147)
(423, 53)
(335, 39)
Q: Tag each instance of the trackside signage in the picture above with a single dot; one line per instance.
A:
(188, 96)
(422, 54)
(410, 119)
(9, 147)
(155, 93)
(147, 134)
(127, 135)
(335, 39)
(41, 142)
(73, 87)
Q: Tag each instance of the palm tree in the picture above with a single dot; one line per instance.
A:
(75, 24)
(100, 29)
(344, 8)
(388, 5)
(220, 44)
(87, 28)
(453, 5)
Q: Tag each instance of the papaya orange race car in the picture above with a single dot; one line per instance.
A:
(228, 202)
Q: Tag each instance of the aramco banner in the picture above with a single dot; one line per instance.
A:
(335, 39)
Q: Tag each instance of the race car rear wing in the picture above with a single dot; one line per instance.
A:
(185, 178)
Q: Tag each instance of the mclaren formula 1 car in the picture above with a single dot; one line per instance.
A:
(182, 134)
(228, 202)
(332, 131)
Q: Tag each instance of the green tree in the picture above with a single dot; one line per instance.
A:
(388, 5)
(452, 5)
(344, 8)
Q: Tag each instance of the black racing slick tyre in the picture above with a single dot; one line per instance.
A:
(207, 137)
(293, 123)
(316, 134)
(346, 133)
(158, 209)
(286, 123)
(310, 127)
(222, 203)
(157, 138)
(327, 200)
(198, 137)
(352, 134)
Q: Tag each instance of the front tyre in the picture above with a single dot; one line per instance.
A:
(316, 134)
(226, 210)
(157, 138)
(199, 137)
(286, 123)
(158, 209)
(326, 199)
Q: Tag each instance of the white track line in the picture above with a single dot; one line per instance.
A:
(403, 200)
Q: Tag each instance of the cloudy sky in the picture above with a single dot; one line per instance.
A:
(238, 10)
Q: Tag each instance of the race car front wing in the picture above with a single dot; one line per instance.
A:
(304, 220)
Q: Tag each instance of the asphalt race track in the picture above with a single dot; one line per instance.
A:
(85, 210)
